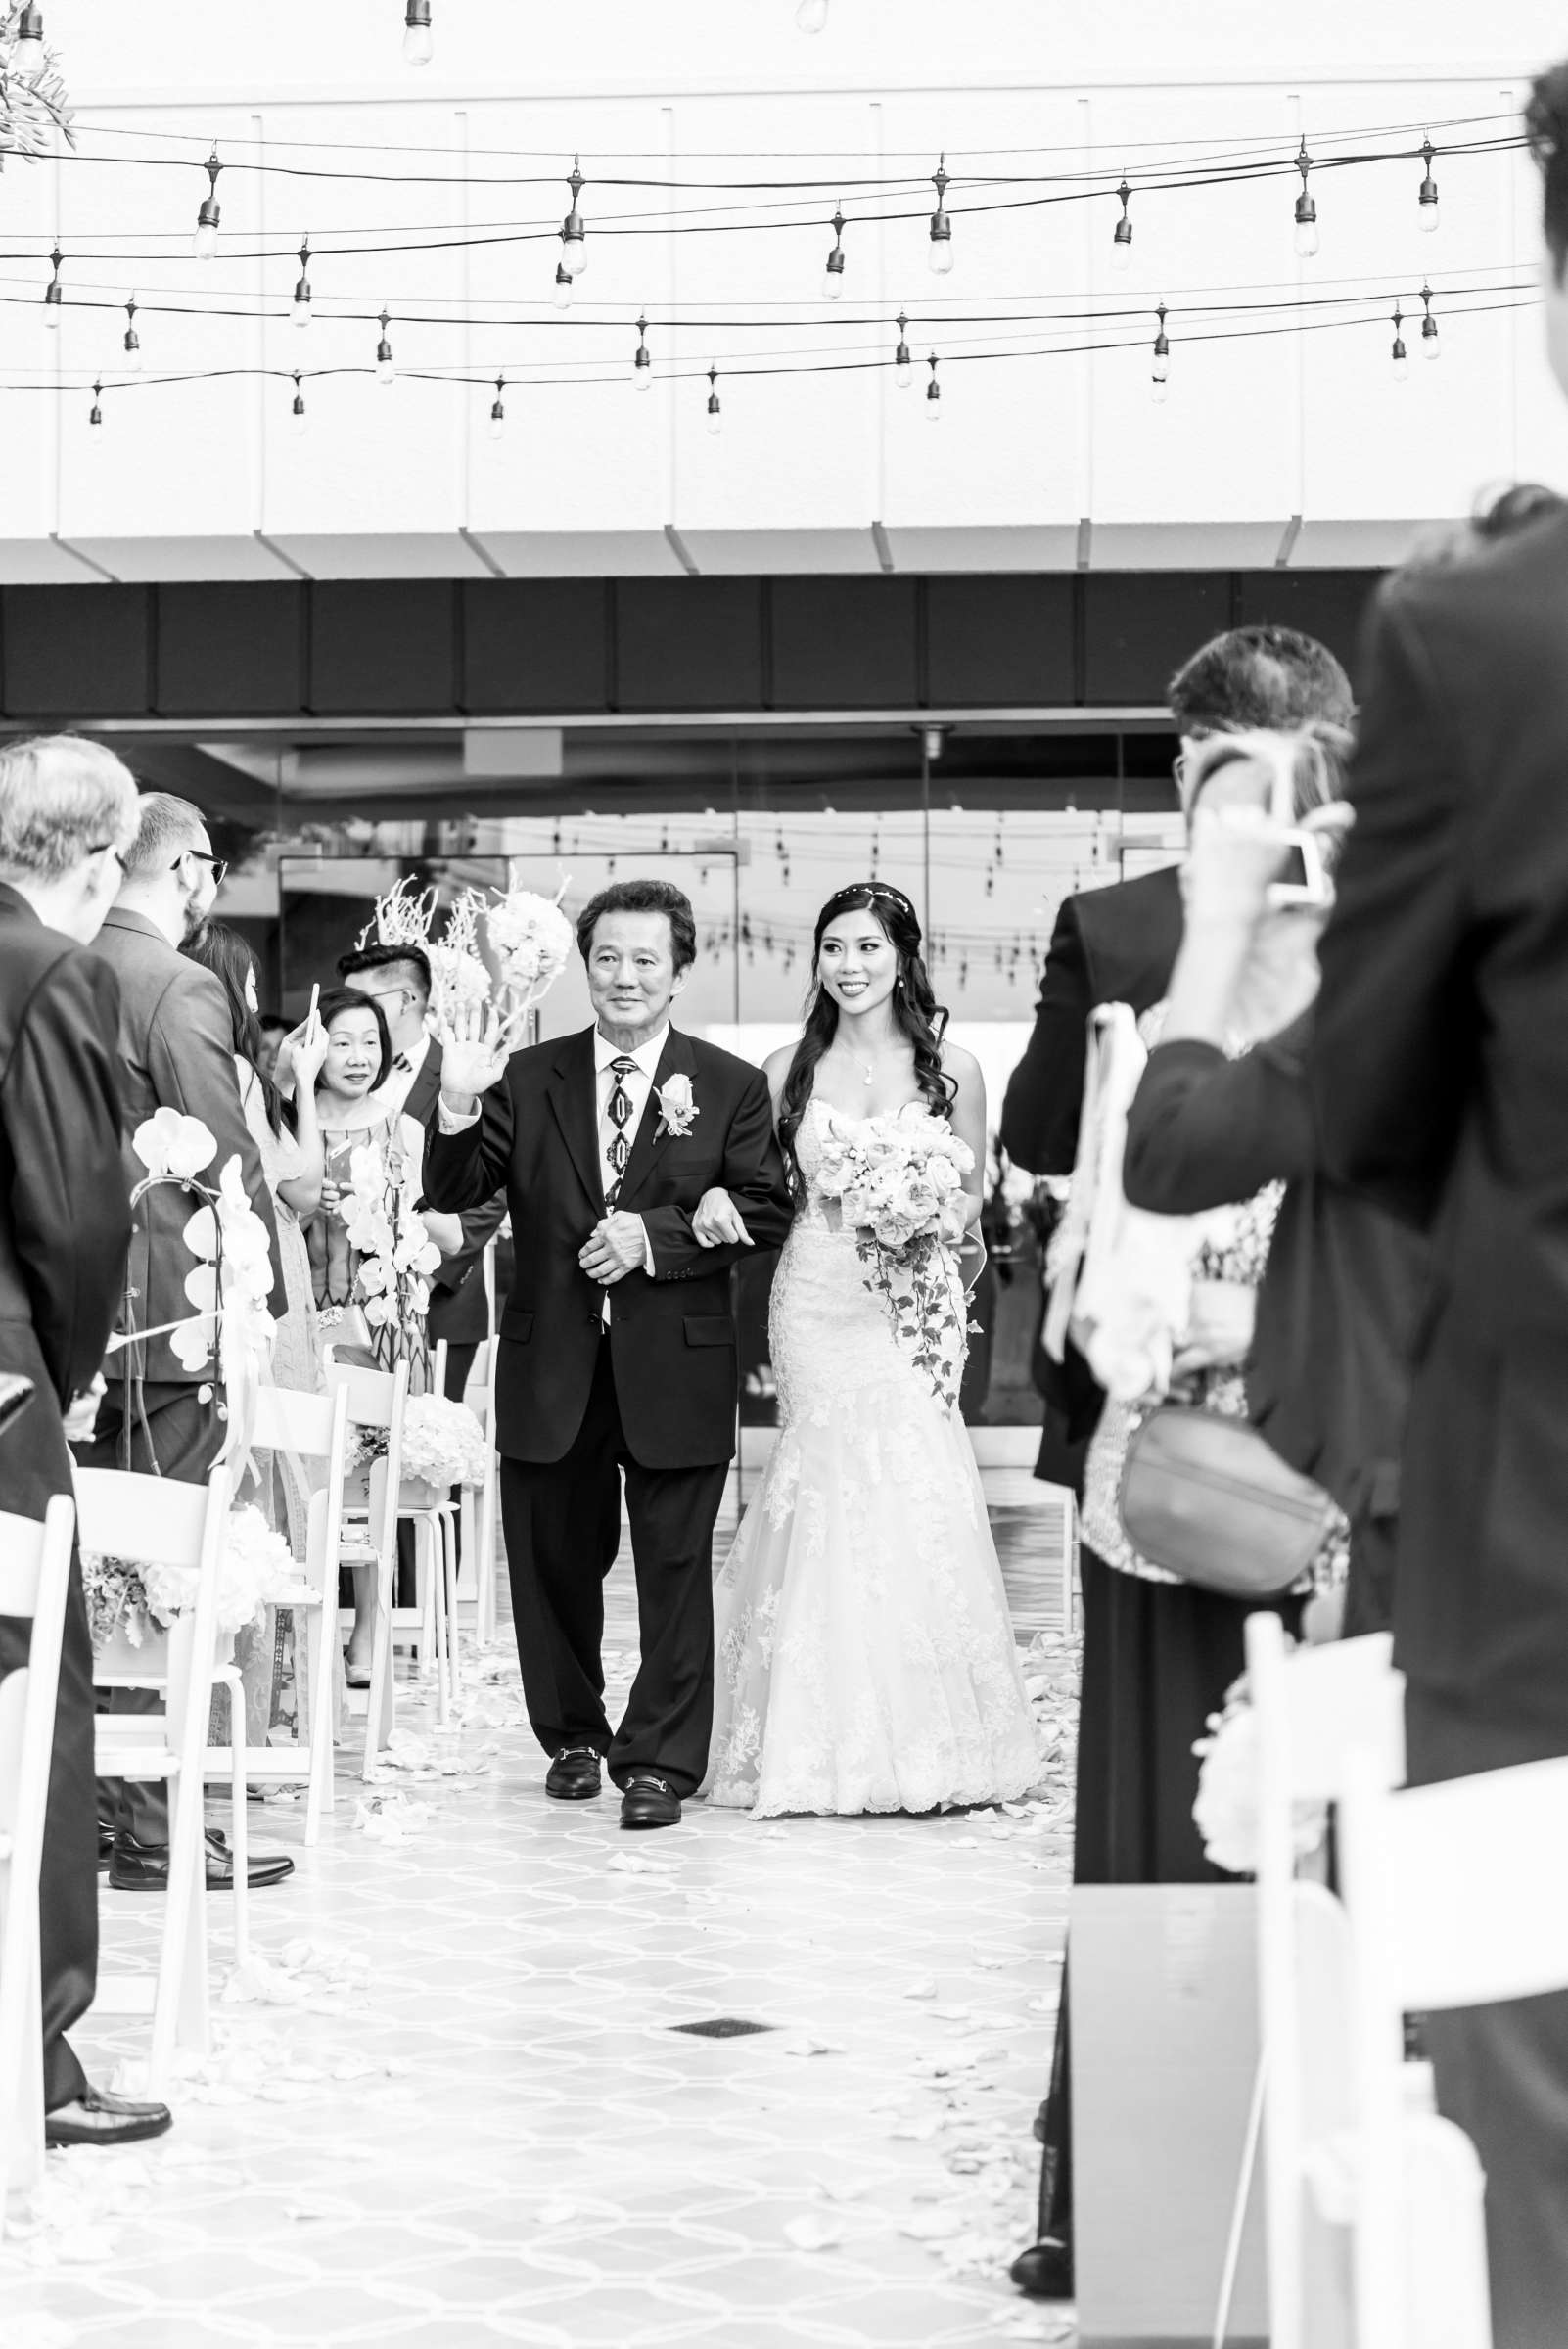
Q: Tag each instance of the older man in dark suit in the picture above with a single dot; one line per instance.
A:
(176, 1051)
(68, 814)
(1441, 1081)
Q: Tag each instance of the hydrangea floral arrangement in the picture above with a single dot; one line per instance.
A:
(132, 1599)
(1225, 1812)
(444, 1443)
(898, 1181)
(532, 940)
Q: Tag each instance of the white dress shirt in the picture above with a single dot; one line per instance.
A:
(400, 1081)
(639, 1079)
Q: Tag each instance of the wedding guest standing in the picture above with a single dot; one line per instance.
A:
(353, 1116)
(1441, 1080)
(1118, 945)
(176, 1051)
(68, 815)
(398, 979)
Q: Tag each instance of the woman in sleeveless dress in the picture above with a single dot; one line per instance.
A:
(865, 1658)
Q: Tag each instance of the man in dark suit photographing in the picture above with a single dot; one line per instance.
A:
(1441, 1083)
(617, 1342)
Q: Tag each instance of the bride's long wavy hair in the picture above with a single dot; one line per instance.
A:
(915, 1011)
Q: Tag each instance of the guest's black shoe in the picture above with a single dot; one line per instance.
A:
(144, 1866)
(98, 2118)
(573, 1776)
(106, 1844)
(649, 1802)
(1045, 2270)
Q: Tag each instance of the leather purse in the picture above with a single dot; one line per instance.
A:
(1210, 1500)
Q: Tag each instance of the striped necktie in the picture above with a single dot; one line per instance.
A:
(618, 1149)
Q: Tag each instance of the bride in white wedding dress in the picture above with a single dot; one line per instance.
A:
(865, 1659)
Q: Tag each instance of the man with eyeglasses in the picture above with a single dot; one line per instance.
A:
(176, 1051)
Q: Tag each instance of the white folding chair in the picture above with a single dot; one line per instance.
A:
(34, 1579)
(476, 1581)
(1314, 1709)
(156, 1520)
(308, 1427)
(1454, 1900)
(369, 1537)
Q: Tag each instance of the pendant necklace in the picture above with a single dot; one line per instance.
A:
(867, 1075)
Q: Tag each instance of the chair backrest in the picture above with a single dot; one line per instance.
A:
(1317, 1706)
(1458, 1884)
(287, 1419)
(376, 1399)
(1318, 1711)
(156, 1520)
(34, 1579)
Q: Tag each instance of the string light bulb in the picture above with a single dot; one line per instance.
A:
(563, 287)
(27, 60)
(1162, 355)
(1122, 236)
(1428, 196)
(94, 421)
(642, 362)
(1401, 363)
(133, 340)
(811, 16)
(1307, 238)
(715, 418)
(941, 225)
(204, 243)
(299, 307)
(902, 364)
(419, 45)
(54, 293)
(1431, 347)
(833, 274)
(574, 242)
(933, 395)
(499, 411)
(297, 414)
(385, 370)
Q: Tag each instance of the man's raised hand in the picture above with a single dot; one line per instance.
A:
(476, 1045)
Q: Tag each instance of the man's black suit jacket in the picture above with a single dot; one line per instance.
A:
(1440, 1077)
(672, 1336)
(1110, 946)
(65, 1213)
(457, 1302)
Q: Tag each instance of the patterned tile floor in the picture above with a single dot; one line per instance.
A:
(452, 2102)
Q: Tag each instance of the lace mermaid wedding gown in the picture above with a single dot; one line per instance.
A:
(865, 1659)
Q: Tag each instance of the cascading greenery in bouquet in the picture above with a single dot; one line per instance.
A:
(898, 1182)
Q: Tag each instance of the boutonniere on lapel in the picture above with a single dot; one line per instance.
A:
(677, 1106)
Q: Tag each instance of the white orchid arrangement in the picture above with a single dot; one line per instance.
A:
(133, 1599)
(397, 1254)
(230, 1283)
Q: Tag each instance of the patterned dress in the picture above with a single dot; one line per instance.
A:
(865, 1658)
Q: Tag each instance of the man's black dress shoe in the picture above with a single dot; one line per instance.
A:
(649, 1802)
(98, 2118)
(106, 1844)
(574, 1776)
(1045, 2270)
(144, 1866)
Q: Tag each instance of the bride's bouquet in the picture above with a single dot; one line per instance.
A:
(898, 1183)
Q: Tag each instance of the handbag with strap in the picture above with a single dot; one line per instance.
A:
(1210, 1500)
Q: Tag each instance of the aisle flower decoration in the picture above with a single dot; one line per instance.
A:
(444, 1443)
(898, 1181)
(1225, 1812)
(230, 1283)
(398, 1255)
(533, 941)
(133, 1600)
